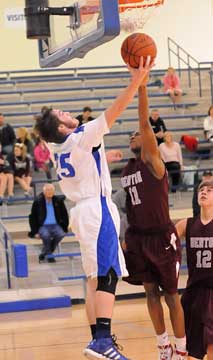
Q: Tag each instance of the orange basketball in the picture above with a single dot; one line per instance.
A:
(137, 45)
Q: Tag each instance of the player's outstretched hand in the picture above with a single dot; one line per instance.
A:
(142, 72)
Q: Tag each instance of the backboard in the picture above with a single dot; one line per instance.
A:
(95, 22)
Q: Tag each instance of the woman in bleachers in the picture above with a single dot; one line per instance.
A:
(6, 179)
(172, 156)
(42, 158)
(20, 164)
(23, 137)
(171, 83)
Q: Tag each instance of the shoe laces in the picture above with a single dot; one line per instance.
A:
(116, 345)
(164, 352)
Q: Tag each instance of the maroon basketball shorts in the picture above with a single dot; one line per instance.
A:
(198, 312)
(153, 258)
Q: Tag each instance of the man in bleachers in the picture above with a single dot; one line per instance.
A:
(49, 220)
(85, 116)
(158, 125)
(7, 136)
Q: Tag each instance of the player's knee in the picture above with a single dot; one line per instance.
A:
(108, 283)
(172, 300)
(153, 294)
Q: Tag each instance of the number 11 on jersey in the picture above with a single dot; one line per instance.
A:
(134, 196)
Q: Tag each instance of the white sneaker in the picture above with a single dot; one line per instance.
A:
(179, 355)
(165, 352)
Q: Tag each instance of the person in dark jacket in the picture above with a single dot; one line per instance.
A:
(206, 176)
(7, 136)
(158, 126)
(85, 116)
(48, 219)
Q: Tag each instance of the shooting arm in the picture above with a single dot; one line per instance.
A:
(150, 153)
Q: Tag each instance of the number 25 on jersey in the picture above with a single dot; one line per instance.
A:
(63, 166)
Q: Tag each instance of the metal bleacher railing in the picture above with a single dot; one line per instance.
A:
(5, 240)
(184, 57)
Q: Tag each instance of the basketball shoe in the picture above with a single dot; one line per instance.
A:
(165, 352)
(179, 355)
(104, 348)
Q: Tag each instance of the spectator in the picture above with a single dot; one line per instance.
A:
(6, 179)
(7, 136)
(23, 137)
(85, 116)
(206, 176)
(158, 125)
(20, 164)
(49, 220)
(172, 157)
(171, 83)
(42, 158)
(208, 125)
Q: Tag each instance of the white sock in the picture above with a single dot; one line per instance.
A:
(180, 344)
(163, 339)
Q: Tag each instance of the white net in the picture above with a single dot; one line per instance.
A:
(134, 15)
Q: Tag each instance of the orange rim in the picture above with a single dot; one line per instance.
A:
(132, 4)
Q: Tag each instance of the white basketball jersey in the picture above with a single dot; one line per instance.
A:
(83, 172)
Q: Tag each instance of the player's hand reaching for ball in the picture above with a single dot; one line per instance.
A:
(142, 72)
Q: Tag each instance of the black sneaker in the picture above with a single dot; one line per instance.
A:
(51, 260)
(41, 257)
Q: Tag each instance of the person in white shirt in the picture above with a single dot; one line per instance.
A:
(171, 154)
(208, 125)
(83, 174)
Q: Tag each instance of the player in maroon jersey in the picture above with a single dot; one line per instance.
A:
(197, 299)
(153, 252)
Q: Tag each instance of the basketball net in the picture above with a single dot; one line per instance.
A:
(135, 13)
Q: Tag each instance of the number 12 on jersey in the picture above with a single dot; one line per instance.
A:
(63, 166)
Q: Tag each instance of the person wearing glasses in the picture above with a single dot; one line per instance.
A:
(152, 247)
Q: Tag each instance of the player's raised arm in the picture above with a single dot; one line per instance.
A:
(124, 99)
(149, 153)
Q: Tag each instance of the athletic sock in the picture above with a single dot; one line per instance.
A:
(103, 328)
(163, 339)
(93, 330)
(180, 344)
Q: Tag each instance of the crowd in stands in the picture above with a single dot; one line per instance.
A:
(22, 152)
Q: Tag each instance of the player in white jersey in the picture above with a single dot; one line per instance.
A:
(84, 178)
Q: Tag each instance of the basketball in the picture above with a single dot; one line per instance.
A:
(135, 46)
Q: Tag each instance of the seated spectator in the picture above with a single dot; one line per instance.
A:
(49, 220)
(7, 136)
(206, 176)
(85, 116)
(208, 125)
(42, 158)
(171, 83)
(158, 125)
(23, 137)
(6, 179)
(20, 164)
(172, 156)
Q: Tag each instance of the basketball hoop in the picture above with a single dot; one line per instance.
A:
(135, 13)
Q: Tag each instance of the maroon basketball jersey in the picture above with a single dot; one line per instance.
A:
(147, 197)
(199, 250)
